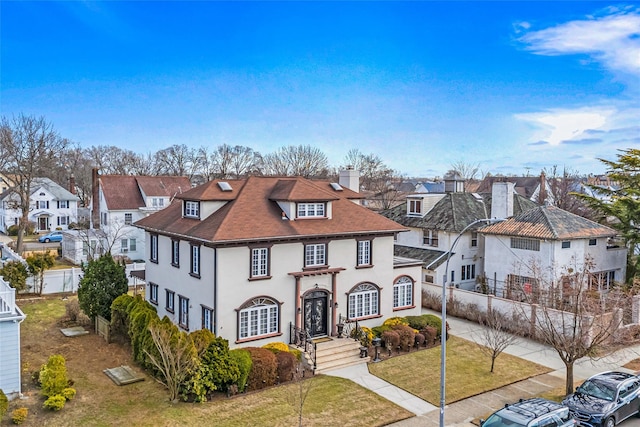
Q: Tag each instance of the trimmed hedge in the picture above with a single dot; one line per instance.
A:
(243, 359)
(287, 364)
(264, 370)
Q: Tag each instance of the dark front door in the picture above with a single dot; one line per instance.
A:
(315, 313)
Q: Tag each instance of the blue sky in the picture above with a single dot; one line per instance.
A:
(513, 86)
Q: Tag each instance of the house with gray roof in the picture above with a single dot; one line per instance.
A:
(52, 207)
(435, 220)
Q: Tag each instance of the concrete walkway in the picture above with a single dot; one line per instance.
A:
(461, 413)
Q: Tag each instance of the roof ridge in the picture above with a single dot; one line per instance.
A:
(545, 215)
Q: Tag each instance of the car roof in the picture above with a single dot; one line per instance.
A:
(525, 411)
(612, 378)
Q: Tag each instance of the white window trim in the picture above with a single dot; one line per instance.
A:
(191, 209)
(403, 292)
(315, 255)
(259, 262)
(364, 252)
(260, 319)
(311, 210)
(364, 301)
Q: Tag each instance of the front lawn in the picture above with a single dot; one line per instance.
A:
(99, 402)
(467, 371)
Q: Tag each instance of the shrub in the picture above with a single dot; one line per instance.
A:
(432, 301)
(418, 322)
(407, 336)
(103, 280)
(430, 334)
(69, 393)
(12, 230)
(297, 353)
(287, 364)
(217, 370)
(201, 339)
(243, 359)
(4, 404)
(392, 321)
(276, 347)
(420, 339)
(264, 369)
(19, 415)
(15, 273)
(120, 311)
(55, 402)
(379, 330)
(53, 376)
(391, 339)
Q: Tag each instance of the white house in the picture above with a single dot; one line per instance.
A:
(436, 220)
(52, 207)
(119, 201)
(553, 239)
(10, 318)
(249, 258)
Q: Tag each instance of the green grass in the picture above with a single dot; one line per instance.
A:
(467, 371)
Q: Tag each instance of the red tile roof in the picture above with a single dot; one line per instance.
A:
(549, 222)
(252, 213)
(122, 192)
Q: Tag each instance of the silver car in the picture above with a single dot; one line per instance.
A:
(536, 412)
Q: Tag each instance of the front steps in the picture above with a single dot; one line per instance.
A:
(338, 353)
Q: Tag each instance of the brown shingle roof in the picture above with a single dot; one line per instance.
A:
(122, 192)
(253, 215)
(549, 222)
(163, 186)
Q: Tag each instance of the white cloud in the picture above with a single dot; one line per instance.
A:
(612, 39)
(556, 126)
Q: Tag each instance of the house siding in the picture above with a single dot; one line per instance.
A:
(10, 357)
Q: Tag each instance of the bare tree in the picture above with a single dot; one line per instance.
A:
(495, 337)
(176, 357)
(298, 398)
(29, 146)
(234, 161)
(386, 190)
(564, 187)
(302, 160)
(177, 160)
(467, 171)
(573, 314)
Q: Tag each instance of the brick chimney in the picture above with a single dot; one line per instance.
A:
(542, 195)
(72, 184)
(95, 198)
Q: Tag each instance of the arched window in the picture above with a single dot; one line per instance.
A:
(403, 292)
(363, 301)
(260, 316)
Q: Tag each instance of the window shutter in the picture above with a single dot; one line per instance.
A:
(58, 204)
(58, 220)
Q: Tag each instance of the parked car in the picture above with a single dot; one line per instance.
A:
(54, 236)
(605, 399)
(536, 412)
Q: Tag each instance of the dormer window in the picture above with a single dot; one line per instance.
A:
(157, 202)
(191, 209)
(415, 207)
(311, 210)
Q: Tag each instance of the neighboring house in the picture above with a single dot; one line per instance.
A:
(545, 241)
(120, 200)
(10, 318)
(250, 258)
(436, 220)
(52, 207)
(538, 189)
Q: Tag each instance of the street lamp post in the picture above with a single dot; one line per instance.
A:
(443, 330)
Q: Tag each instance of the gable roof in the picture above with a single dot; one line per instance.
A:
(549, 222)
(252, 214)
(122, 192)
(58, 192)
(454, 211)
(524, 185)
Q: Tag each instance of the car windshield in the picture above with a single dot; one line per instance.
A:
(597, 389)
(496, 420)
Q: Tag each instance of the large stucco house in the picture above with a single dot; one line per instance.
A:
(250, 258)
(52, 207)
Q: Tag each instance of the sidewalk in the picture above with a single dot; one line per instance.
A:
(461, 413)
